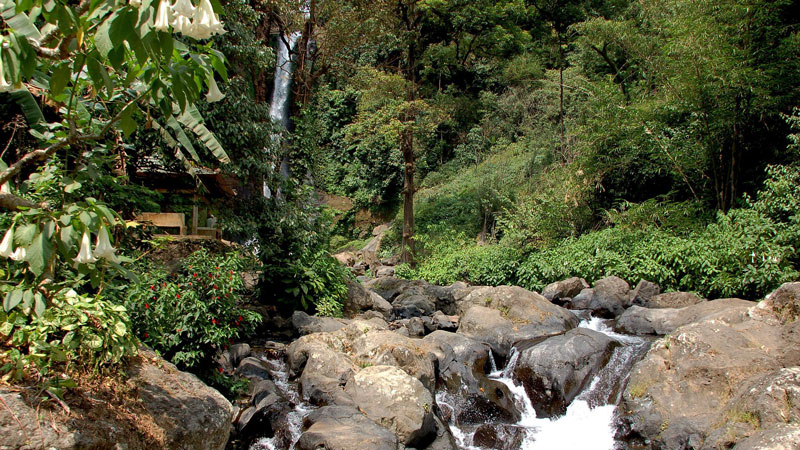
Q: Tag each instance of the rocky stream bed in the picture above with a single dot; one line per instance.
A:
(417, 366)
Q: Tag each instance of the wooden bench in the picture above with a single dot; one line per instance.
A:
(165, 220)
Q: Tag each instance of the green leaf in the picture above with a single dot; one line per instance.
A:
(12, 299)
(40, 305)
(59, 78)
(120, 329)
(27, 298)
(183, 138)
(192, 119)
(72, 187)
(20, 23)
(26, 101)
(39, 253)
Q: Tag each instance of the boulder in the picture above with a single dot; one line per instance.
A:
(503, 315)
(254, 369)
(463, 363)
(610, 297)
(785, 302)
(426, 304)
(645, 321)
(360, 299)
(384, 271)
(305, 324)
(499, 436)
(555, 371)
(172, 409)
(387, 348)
(711, 382)
(391, 397)
(442, 321)
(320, 362)
(781, 437)
(582, 300)
(442, 297)
(672, 300)
(344, 428)
(568, 288)
(261, 419)
(345, 258)
(232, 356)
(643, 292)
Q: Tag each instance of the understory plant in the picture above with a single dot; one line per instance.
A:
(190, 314)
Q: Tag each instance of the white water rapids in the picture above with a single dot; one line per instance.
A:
(592, 412)
(587, 425)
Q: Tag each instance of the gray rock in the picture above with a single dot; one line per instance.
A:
(180, 410)
(610, 297)
(384, 272)
(555, 371)
(780, 437)
(391, 397)
(785, 302)
(463, 363)
(672, 300)
(503, 315)
(416, 327)
(344, 428)
(383, 347)
(709, 382)
(643, 292)
(360, 299)
(582, 300)
(499, 436)
(424, 303)
(253, 369)
(645, 321)
(570, 287)
(444, 322)
(305, 324)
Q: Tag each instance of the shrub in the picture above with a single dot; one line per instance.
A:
(315, 282)
(76, 330)
(190, 314)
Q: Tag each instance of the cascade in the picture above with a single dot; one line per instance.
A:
(279, 104)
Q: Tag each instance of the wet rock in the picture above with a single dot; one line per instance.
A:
(444, 439)
(391, 397)
(232, 356)
(646, 321)
(462, 364)
(672, 300)
(305, 324)
(568, 288)
(555, 371)
(499, 436)
(644, 291)
(253, 369)
(262, 419)
(344, 428)
(503, 315)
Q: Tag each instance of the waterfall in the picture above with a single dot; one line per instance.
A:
(279, 105)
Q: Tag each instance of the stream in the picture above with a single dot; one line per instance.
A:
(592, 412)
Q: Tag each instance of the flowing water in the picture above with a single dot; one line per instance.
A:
(279, 104)
(592, 412)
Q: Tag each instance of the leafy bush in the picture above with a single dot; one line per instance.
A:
(314, 281)
(190, 314)
(90, 332)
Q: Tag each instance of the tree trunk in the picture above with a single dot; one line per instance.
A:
(562, 129)
(302, 75)
(407, 147)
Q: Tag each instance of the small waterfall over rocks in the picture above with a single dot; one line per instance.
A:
(279, 104)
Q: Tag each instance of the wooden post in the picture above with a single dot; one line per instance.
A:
(194, 219)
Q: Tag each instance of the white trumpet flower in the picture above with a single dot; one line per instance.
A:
(4, 86)
(214, 94)
(183, 24)
(7, 246)
(19, 254)
(85, 253)
(184, 7)
(204, 22)
(103, 248)
(162, 16)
